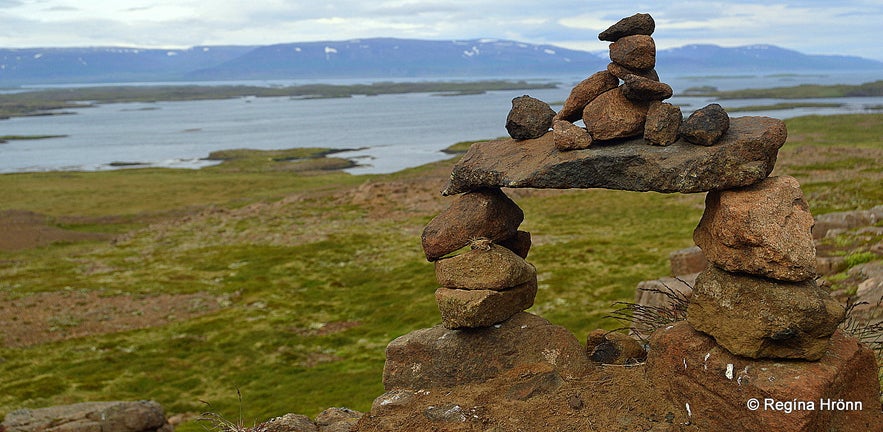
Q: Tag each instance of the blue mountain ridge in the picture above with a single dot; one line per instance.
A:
(383, 58)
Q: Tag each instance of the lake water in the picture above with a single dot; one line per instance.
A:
(393, 132)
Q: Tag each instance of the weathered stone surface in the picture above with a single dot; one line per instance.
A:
(763, 229)
(529, 118)
(846, 220)
(520, 244)
(687, 261)
(663, 123)
(607, 347)
(637, 24)
(640, 89)
(535, 384)
(122, 416)
(612, 116)
(569, 136)
(338, 419)
(492, 267)
(487, 213)
(706, 125)
(760, 318)
(745, 155)
(439, 357)
(288, 423)
(621, 72)
(584, 92)
(690, 368)
(634, 52)
(481, 308)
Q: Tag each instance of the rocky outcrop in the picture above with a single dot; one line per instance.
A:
(744, 156)
(121, 416)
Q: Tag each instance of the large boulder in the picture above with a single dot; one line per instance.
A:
(611, 116)
(744, 156)
(763, 229)
(529, 118)
(120, 416)
(760, 318)
(719, 390)
(584, 92)
(440, 357)
(486, 213)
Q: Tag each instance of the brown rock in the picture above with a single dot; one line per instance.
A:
(520, 244)
(569, 136)
(529, 118)
(760, 318)
(706, 125)
(288, 423)
(763, 229)
(439, 357)
(486, 213)
(584, 92)
(481, 308)
(637, 24)
(121, 416)
(495, 268)
(687, 261)
(642, 89)
(337, 419)
(634, 52)
(533, 385)
(744, 156)
(612, 116)
(607, 347)
(690, 368)
(663, 123)
(621, 72)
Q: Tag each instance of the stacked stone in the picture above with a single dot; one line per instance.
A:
(491, 282)
(759, 297)
(611, 110)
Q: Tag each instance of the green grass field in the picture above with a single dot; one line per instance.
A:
(312, 283)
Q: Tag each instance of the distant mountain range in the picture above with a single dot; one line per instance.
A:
(382, 58)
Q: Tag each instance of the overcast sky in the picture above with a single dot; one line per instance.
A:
(812, 26)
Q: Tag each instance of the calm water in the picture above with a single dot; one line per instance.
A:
(392, 131)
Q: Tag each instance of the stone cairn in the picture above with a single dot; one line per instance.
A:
(757, 299)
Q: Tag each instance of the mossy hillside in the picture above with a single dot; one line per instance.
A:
(314, 287)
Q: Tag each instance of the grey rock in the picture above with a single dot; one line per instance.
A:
(706, 125)
(120, 416)
(529, 118)
(337, 419)
(744, 156)
(288, 423)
